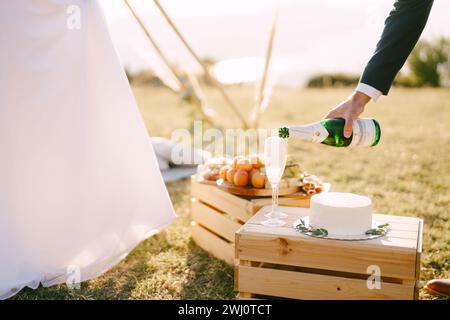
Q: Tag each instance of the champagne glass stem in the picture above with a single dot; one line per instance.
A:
(274, 199)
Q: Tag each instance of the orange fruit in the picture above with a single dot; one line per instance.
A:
(223, 172)
(244, 164)
(235, 161)
(241, 178)
(258, 180)
(252, 172)
(255, 161)
(230, 175)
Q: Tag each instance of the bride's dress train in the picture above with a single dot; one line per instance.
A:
(79, 181)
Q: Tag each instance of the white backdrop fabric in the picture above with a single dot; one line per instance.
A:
(79, 181)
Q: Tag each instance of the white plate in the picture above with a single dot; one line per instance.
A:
(375, 224)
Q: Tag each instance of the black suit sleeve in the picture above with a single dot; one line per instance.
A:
(402, 29)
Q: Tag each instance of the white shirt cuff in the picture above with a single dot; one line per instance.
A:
(369, 90)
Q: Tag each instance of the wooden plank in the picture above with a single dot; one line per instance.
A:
(282, 201)
(403, 232)
(403, 223)
(335, 255)
(214, 220)
(245, 296)
(249, 191)
(241, 208)
(237, 207)
(388, 243)
(299, 285)
(216, 246)
(241, 295)
(400, 231)
(418, 258)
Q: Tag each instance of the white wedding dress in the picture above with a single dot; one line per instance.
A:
(79, 181)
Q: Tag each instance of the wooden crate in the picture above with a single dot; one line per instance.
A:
(280, 262)
(217, 215)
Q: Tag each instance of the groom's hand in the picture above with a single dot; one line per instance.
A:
(349, 110)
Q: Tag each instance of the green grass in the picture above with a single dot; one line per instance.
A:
(406, 174)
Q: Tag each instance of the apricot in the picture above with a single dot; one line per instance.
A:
(255, 161)
(244, 164)
(223, 172)
(230, 175)
(211, 175)
(258, 180)
(235, 160)
(241, 178)
(252, 172)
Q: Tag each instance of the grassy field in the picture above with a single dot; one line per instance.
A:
(407, 174)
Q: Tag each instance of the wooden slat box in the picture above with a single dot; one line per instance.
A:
(280, 262)
(217, 215)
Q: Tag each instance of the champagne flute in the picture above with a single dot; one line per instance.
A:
(275, 155)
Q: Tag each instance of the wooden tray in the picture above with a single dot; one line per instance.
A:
(253, 192)
(202, 180)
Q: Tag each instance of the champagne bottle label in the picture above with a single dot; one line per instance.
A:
(363, 133)
(320, 133)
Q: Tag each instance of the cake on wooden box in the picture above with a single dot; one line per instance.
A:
(342, 214)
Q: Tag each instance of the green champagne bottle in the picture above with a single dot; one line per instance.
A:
(366, 132)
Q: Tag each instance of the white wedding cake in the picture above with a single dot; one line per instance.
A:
(342, 214)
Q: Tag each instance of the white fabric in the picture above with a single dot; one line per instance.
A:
(369, 90)
(165, 149)
(79, 181)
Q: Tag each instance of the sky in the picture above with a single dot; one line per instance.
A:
(312, 36)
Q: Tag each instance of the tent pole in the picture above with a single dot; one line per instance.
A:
(198, 96)
(154, 44)
(261, 98)
(214, 81)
